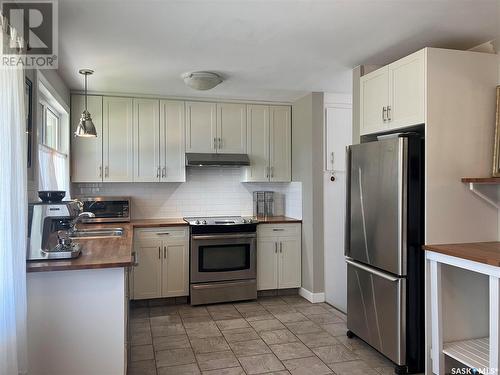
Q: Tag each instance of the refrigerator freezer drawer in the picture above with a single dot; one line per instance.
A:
(376, 309)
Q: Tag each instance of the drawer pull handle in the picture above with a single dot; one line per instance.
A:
(278, 229)
(163, 234)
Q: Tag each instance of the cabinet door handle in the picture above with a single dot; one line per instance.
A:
(384, 114)
(332, 160)
(272, 172)
(275, 247)
(135, 259)
(220, 143)
(267, 172)
(158, 172)
(100, 171)
(281, 247)
(165, 252)
(164, 172)
(106, 171)
(215, 143)
(159, 252)
(389, 113)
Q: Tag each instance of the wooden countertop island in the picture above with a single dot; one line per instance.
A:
(482, 252)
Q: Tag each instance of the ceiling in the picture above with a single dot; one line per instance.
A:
(266, 49)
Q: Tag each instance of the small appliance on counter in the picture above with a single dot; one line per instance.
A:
(223, 259)
(48, 230)
(263, 203)
(106, 209)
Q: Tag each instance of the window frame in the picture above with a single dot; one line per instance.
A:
(47, 107)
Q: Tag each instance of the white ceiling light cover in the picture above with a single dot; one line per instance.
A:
(202, 80)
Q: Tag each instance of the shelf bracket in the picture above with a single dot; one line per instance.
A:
(489, 193)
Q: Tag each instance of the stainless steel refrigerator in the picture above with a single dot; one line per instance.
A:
(385, 263)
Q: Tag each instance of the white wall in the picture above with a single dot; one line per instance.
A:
(206, 192)
(307, 167)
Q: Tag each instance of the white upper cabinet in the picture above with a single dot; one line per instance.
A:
(280, 163)
(407, 91)
(172, 141)
(393, 97)
(269, 142)
(118, 145)
(374, 96)
(231, 128)
(146, 140)
(257, 143)
(86, 153)
(201, 127)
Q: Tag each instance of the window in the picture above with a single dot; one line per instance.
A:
(51, 130)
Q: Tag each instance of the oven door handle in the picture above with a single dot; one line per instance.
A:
(224, 236)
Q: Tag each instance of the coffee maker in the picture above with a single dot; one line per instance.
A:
(49, 226)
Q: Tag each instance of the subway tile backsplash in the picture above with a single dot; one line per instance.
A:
(206, 192)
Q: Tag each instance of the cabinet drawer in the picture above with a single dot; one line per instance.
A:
(281, 230)
(166, 233)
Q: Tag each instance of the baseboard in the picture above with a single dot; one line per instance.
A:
(312, 297)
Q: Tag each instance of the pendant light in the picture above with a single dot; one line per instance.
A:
(85, 127)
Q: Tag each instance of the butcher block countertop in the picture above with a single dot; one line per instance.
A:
(117, 252)
(96, 253)
(277, 220)
(482, 252)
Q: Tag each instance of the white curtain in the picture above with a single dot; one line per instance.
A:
(54, 165)
(13, 221)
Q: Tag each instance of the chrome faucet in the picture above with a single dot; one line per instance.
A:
(76, 220)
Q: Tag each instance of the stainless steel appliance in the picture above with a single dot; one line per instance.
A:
(223, 259)
(217, 160)
(263, 203)
(385, 265)
(49, 230)
(107, 209)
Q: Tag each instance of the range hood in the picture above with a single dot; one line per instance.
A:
(217, 160)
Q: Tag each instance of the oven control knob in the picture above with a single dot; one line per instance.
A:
(204, 222)
(197, 222)
(245, 221)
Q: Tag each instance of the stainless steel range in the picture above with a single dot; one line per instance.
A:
(223, 259)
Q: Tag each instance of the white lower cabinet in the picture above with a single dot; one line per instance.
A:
(279, 256)
(161, 263)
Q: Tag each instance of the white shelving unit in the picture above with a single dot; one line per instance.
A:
(479, 353)
(473, 353)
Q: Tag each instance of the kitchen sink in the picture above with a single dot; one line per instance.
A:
(97, 233)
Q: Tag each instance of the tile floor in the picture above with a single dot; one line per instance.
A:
(273, 335)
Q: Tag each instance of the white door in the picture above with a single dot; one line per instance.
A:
(338, 130)
(175, 275)
(147, 273)
(86, 152)
(407, 91)
(118, 147)
(231, 128)
(146, 140)
(257, 143)
(172, 146)
(374, 99)
(201, 127)
(280, 160)
(289, 264)
(267, 263)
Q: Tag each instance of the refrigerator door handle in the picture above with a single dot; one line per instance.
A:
(347, 227)
(372, 271)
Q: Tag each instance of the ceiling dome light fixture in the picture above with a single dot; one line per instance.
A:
(202, 80)
(85, 127)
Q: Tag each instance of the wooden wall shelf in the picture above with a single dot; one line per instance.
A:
(481, 180)
(486, 188)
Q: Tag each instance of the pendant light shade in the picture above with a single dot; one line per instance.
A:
(85, 127)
